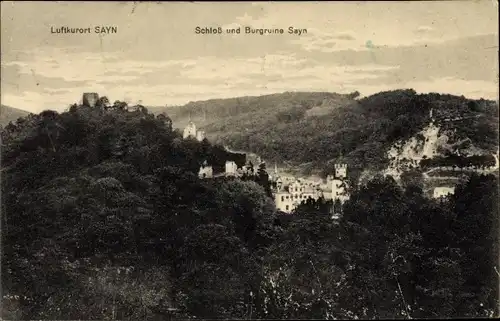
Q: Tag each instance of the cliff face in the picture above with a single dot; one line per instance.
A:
(430, 143)
(408, 154)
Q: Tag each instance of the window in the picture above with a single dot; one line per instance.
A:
(282, 198)
(287, 207)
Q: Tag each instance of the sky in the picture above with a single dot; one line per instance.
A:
(157, 59)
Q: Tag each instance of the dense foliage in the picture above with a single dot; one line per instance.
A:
(104, 217)
(8, 114)
(477, 161)
(318, 129)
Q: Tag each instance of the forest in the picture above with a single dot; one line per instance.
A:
(477, 161)
(316, 130)
(104, 217)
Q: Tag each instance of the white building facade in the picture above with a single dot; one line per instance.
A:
(231, 168)
(190, 131)
(289, 192)
(288, 198)
(443, 191)
(200, 135)
(205, 171)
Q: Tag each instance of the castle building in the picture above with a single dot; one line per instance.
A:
(231, 168)
(339, 190)
(340, 171)
(190, 131)
(90, 99)
(338, 183)
(443, 191)
(205, 171)
(273, 176)
(200, 135)
(287, 198)
(289, 191)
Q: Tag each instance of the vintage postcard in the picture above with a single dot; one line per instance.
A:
(239, 160)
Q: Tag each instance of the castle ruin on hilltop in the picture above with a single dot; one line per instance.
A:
(90, 99)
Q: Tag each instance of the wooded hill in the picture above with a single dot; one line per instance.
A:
(315, 130)
(8, 114)
(104, 218)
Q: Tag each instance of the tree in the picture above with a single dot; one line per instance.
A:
(49, 126)
(116, 224)
(354, 95)
(103, 103)
(119, 105)
(263, 178)
(251, 211)
(249, 168)
(303, 272)
(166, 120)
(476, 226)
(217, 274)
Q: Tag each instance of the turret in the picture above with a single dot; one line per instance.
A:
(231, 168)
(200, 135)
(189, 131)
(340, 171)
(90, 99)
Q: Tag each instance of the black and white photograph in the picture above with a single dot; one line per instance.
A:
(331, 160)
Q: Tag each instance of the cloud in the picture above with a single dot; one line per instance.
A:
(473, 58)
(157, 57)
(344, 36)
(20, 76)
(31, 101)
(177, 81)
(296, 73)
(82, 67)
(471, 89)
(424, 29)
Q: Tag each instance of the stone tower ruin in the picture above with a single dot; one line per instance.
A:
(90, 99)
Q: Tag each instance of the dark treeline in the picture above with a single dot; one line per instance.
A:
(479, 161)
(104, 217)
